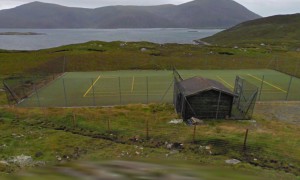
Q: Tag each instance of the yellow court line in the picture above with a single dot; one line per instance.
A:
(225, 82)
(92, 86)
(276, 87)
(132, 84)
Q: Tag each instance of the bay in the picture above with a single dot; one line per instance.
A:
(49, 38)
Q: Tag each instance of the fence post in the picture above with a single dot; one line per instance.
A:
(94, 102)
(194, 134)
(147, 90)
(289, 88)
(261, 86)
(74, 119)
(120, 93)
(65, 94)
(147, 129)
(245, 139)
(37, 96)
(108, 124)
(23, 83)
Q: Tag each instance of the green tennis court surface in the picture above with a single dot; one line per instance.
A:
(147, 86)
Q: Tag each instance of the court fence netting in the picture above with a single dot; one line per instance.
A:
(29, 90)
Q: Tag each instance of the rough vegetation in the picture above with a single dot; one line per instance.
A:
(139, 132)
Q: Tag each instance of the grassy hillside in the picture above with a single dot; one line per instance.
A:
(97, 55)
(280, 30)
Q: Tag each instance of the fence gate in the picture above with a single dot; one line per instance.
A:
(245, 100)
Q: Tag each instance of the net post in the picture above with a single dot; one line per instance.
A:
(165, 94)
(65, 93)
(37, 96)
(289, 88)
(194, 134)
(120, 93)
(94, 102)
(261, 86)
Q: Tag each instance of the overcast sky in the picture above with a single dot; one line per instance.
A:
(261, 7)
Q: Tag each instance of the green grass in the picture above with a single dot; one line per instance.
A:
(79, 57)
(87, 136)
(134, 87)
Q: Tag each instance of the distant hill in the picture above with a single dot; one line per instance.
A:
(194, 14)
(275, 29)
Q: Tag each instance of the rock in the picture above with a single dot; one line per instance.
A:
(135, 138)
(123, 44)
(174, 152)
(169, 146)
(144, 49)
(58, 158)
(4, 163)
(177, 145)
(196, 121)
(22, 160)
(232, 161)
(176, 121)
(38, 154)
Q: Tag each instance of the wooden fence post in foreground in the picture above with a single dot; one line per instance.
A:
(245, 140)
(74, 119)
(194, 134)
(147, 129)
(108, 125)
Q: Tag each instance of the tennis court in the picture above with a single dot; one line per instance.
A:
(149, 86)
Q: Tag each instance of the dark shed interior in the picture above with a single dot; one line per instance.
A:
(203, 98)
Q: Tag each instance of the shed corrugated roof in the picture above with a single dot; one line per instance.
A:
(198, 84)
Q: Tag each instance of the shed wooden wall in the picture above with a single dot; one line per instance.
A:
(205, 105)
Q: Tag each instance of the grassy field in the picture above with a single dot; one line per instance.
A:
(58, 135)
(106, 56)
(54, 136)
(130, 87)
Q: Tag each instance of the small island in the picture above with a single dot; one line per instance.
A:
(20, 33)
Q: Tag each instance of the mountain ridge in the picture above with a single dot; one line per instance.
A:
(194, 14)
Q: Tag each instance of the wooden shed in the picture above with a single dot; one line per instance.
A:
(202, 98)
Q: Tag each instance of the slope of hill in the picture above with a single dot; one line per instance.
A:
(194, 14)
(279, 29)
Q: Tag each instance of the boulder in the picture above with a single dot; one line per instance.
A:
(232, 161)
